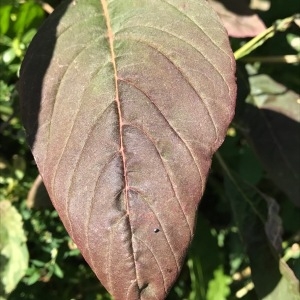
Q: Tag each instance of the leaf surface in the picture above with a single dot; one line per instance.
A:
(253, 214)
(124, 103)
(272, 118)
(239, 20)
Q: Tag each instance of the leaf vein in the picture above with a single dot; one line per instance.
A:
(53, 112)
(212, 40)
(90, 208)
(166, 171)
(170, 125)
(159, 222)
(162, 275)
(77, 165)
(180, 71)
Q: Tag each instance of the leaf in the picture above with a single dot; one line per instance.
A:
(29, 12)
(272, 120)
(273, 224)
(124, 103)
(239, 20)
(13, 250)
(243, 161)
(272, 278)
(5, 18)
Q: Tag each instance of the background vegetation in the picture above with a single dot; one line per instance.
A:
(248, 230)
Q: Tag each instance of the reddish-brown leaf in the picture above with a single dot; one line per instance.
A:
(124, 103)
(239, 20)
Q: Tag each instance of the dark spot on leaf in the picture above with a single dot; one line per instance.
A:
(156, 230)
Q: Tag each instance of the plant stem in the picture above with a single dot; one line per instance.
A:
(287, 59)
(279, 25)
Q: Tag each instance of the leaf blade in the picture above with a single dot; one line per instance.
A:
(252, 213)
(272, 112)
(14, 254)
(120, 126)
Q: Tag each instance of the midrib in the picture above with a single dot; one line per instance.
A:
(110, 37)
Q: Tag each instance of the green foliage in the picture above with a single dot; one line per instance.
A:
(19, 22)
(13, 249)
(239, 199)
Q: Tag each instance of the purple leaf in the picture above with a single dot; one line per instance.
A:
(124, 104)
(239, 20)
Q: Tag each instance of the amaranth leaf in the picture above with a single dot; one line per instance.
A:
(124, 103)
